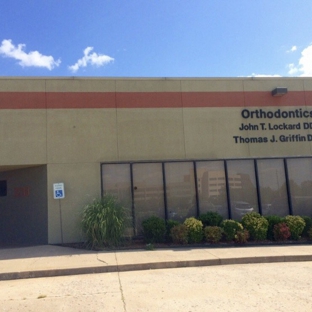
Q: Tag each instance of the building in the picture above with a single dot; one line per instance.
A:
(168, 147)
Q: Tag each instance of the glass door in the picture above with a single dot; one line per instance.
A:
(148, 192)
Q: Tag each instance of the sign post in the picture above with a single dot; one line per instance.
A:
(59, 193)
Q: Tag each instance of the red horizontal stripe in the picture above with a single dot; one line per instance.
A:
(148, 99)
(71, 100)
(80, 100)
(22, 100)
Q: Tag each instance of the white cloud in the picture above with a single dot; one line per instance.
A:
(92, 59)
(33, 58)
(263, 75)
(292, 69)
(304, 67)
(293, 49)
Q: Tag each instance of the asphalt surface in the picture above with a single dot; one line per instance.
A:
(239, 287)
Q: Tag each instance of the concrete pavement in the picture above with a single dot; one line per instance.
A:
(50, 260)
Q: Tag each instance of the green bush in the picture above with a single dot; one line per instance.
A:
(296, 226)
(281, 231)
(104, 221)
(210, 218)
(169, 225)
(256, 225)
(230, 228)
(310, 234)
(273, 220)
(179, 234)
(308, 225)
(195, 230)
(154, 230)
(213, 234)
(241, 236)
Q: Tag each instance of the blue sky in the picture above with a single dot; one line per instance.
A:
(156, 38)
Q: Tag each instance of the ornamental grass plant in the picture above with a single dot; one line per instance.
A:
(103, 222)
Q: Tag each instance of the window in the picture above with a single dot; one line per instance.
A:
(273, 191)
(300, 183)
(180, 188)
(211, 194)
(243, 195)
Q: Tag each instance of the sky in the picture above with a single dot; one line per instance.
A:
(156, 38)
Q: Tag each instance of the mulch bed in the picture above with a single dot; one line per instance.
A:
(137, 244)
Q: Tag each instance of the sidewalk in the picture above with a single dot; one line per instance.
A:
(50, 260)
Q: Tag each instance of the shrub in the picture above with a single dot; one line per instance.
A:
(310, 234)
(179, 234)
(230, 228)
(241, 236)
(256, 225)
(281, 232)
(169, 225)
(213, 234)
(104, 222)
(210, 218)
(273, 220)
(154, 230)
(296, 226)
(195, 230)
(308, 225)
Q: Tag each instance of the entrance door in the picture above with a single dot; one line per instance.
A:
(148, 192)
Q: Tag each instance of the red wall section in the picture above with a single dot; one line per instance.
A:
(148, 99)
(260, 99)
(81, 100)
(213, 99)
(71, 100)
(22, 100)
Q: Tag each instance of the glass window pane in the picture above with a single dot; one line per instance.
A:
(211, 187)
(180, 188)
(242, 184)
(148, 192)
(300, 182)
(116, 181)
(273, 189)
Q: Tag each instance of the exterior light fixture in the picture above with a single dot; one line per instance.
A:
(279, 91)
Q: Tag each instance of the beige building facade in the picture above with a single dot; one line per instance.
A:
(167, 147)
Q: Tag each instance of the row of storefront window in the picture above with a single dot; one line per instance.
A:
(180, 189)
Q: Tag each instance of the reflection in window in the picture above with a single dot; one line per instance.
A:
(148, 192)
(300, 182)
(273, 190)
(211, 190)
(243, 193)
(180, 190)
(116, 181)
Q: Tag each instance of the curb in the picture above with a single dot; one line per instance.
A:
(151, 266)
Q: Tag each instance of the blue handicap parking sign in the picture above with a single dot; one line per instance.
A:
(58, 190)
(59, 193)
